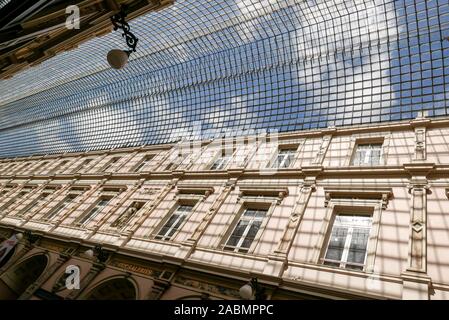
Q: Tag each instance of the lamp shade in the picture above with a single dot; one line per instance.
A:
(118, 58)
(246, 291)
(89, 253)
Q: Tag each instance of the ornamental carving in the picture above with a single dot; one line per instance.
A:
(213, 289)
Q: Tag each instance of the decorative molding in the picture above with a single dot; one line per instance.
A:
(267, 191)
(291, 229)
(264, 190)
(325, 142)
(185, 188)
(357, 193)
(213, 289)
(417, 257)
(357, 138)
(420, 144)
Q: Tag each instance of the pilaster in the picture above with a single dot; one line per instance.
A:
(416, 282)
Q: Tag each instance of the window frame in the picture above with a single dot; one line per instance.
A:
(337, 206)
(54, 211)
(281, 148)
(111, 165)
(343, 262)
(83, 166)
(190, 200)
(365, 138)
(368, 164)
(220, 155)
(48, 192)
(144, 162)
(77, 221)
(245, 202)
(238, 247)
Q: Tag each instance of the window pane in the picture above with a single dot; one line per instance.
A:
(167, 226)
(174, 222)
(367, 154)
(359, 242)
(251, 234)
(336, 243)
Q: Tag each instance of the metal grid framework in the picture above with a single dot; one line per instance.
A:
(207, 68)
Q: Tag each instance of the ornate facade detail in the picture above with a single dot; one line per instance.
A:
(382, 194)
(420, 144)
(295, 219)
(263, 190)
(323, 149)
(214, 289)
(418, 229)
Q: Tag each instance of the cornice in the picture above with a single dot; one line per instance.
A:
(315, 133)
(291, 173)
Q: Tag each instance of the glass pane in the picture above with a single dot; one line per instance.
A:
(240, 228)
(336, 243)
(249, 213)
(359, 241)
(233, 241)
(353, 220)
(261, 213)
(177, 225)
(167, 226)
(237, 233)
(375, 157)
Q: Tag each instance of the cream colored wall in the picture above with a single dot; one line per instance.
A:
(438, 145)
(303, 247)
(339, 153)
(392, 248)
(438, 234)
(401, 148)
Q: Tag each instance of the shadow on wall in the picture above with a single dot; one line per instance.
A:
(15, 281)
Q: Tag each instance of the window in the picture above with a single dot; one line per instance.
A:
(41, 166)
(61, 206)
(60, 166)
(84, 165)
(25, 166)
(175, 162)
(4, 191)
(126, 216)
(92, 213)
(246, 230)
(108, 166)
(284, 158)
(221, 162)
(14, 200)
(144, 163)
(10, 168)
(367, 154)
(348, 242)
(36, 203)
(174, 222)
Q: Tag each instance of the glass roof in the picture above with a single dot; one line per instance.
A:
(207, 68)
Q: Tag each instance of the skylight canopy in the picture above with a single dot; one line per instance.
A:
(208, 68)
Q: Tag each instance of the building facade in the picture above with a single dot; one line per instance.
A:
(340, 213)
